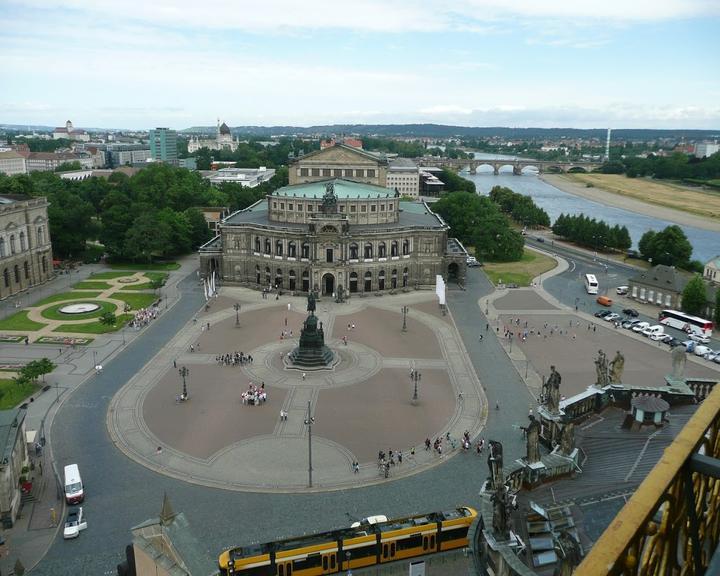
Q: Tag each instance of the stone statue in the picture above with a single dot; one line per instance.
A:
(568, 553)
(616, 368)
(602, 369)
(501, 513)
(495, 463)
(551, 391)
(679, 357)
(311, 303)
(533, 441)
(329, 205)
(567, 439)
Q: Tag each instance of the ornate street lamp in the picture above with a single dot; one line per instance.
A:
(415, 377)
(184, 372)
(309, 421)
(404, 311)
(237, 314)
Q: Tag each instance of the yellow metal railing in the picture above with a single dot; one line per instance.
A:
(671, 525)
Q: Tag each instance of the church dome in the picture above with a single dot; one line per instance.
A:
(224, 129)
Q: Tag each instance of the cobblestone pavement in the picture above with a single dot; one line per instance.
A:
(362, 405)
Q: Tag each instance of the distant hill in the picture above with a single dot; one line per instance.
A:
(445, 131)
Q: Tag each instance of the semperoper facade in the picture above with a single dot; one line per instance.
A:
(334, 235)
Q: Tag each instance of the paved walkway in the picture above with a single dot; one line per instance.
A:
(359, 404)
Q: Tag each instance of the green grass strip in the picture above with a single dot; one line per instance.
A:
(53, 313)
(20, 321)
(67, 296)
(13, 393)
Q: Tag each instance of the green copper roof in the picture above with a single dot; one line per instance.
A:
(344, 190)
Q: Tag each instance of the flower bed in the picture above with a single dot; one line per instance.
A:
(64, 340)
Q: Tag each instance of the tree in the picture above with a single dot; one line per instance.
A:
(694, 296)
(147, 238)
(69, 166)
(33, 370)
(670, 247)
(108, 319)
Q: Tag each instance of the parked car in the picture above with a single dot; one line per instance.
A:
(631, 312)
(717, 359)
(472, 262)
(658, 336)
(611, 317)
(640, 326)
(628, 324)
(712, 355)
(702, 350)
(74, 524)
(652, 330)
(602, 313)
(540, 239)
(699, 338)
(671, 341)
(689, 345)
(621, 290)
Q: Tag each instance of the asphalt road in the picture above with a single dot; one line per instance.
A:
(122, 494)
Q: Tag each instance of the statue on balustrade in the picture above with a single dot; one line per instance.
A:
(495, 463)
(568, 553)
(616, 368)
(601, 367)
(533, 441)
(551, 391)
(567, 439)
(679, 356)
(501, 513)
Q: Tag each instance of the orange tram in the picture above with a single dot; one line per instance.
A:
(366, 545)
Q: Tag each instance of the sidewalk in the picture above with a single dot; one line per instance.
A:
(33, 533)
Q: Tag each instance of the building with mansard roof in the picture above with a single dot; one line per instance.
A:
(334, 236)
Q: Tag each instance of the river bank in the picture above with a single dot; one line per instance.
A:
(608, 198)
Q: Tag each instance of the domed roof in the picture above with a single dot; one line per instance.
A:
(224, 128)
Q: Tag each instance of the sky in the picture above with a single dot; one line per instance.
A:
(522, 63)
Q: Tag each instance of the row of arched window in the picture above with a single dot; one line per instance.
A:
(265, 246)
(266, 277)
(13, 242)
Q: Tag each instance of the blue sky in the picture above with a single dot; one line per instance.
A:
(179, 63)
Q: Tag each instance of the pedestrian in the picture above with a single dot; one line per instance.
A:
(208, 326)
(174, 362)
(487, 326)
(286, 321)
(303, 376)
(288, 309)
(497, 405)
(53, 516)
(159, 450)
(195, 320)
(192, 348)
(480, 338)
(594, 328)
(399, 455)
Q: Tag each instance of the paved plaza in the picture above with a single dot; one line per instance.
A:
(362, 405)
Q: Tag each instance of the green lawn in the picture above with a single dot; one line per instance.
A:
(14, 394)
(90, 285)
(20, 321)
(153, 266)
(137, 301)
(53, 313)
(95, 327)
(109, 275)
(66, 296)
(522, 272)
(152, 276)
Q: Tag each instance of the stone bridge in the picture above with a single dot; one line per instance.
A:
(517, 165)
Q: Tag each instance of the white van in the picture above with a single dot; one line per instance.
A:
(651, 331)
(73, 485)
(640, 326)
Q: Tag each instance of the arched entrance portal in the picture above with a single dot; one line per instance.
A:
(328, 284)
(453, 272)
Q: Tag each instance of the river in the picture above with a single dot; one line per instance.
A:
(706, 243)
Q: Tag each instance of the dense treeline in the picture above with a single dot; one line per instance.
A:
(477, 221)
(152, 214)
(40, 144)
(678, 166)
(595, 234)
(521, 208)
(391, 146)
(455, 183)
(252, 154)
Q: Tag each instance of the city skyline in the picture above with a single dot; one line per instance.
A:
(483, 62)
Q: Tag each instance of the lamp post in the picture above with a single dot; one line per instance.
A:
(309, 420)
(237, 314)
(404, 311)
(415, 377)
(184, 372)
(347, 560)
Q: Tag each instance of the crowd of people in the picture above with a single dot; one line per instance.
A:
(254, 395)
(143, 317)
(234, 359)
(522, 331)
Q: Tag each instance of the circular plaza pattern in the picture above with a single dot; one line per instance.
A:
(363, 405)
(81, 308)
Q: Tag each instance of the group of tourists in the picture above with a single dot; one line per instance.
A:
(143, 317)
(233, 359)
(254, 395)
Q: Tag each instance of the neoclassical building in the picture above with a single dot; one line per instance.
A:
(334, 236)
(25, 250)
